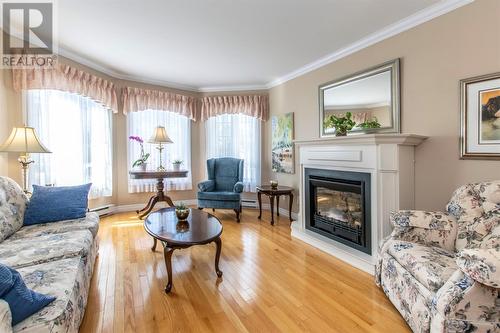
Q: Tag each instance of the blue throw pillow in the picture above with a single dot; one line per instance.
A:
(49, 204)
(23, 302)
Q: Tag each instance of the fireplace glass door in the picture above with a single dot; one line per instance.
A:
(338, 206)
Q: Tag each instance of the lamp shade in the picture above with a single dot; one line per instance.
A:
(23, 140)
(160, 136)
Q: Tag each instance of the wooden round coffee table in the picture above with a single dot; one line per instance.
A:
(199, 228)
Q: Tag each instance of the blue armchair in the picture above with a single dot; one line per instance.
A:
(224, 185)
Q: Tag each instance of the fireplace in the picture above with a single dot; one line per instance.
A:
(337, 206)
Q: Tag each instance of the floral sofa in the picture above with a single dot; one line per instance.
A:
(53, 258)
(442, 269)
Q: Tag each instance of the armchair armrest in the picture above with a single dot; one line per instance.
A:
(482, 265)
(238, 187)
(464, 304)
(423, 219)
(206, 186)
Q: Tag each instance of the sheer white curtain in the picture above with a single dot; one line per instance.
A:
(236, 135)
(78, 131)
(143, 124)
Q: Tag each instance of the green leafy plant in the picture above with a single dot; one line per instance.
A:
(341, 124)
(178, 162)
(181, 206)
(373, 123)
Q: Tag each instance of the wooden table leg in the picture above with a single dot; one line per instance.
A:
(153, 203)
(271, 200)
(154, 244)
(259, 197)
(218, 242)
(277, 205)
(167, 251)
(147, 206)
(290, 204)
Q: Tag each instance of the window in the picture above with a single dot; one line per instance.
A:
(143, 124)
(78, 132)
(236, 135)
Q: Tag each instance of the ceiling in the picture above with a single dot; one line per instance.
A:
(224, 44)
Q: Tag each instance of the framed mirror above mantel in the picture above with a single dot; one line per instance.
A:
(370, 98)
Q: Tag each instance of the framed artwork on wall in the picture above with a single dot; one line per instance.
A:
(480, 117)
(283, 155)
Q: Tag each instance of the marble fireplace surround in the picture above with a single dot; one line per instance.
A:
(388, 158)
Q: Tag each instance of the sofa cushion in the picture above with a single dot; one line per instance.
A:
(431, 266)
(49, 204)
(89, 222)
(12, 206)
(23, 302)
(68, 280)
(28, 251)
(219, 195)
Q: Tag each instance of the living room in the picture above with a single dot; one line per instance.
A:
(250, 166)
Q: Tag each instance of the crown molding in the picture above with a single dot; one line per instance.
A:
(233, 88)
(420, 17)
(427, 14)
(120, 76)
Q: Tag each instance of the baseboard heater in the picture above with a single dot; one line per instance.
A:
(249, 203)
(103, 210)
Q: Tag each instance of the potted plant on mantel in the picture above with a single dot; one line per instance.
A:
(341, 124)
(344, 124)
(141, 162)
(177, 164)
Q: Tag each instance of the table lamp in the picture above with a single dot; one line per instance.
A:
(25, 141)
(159, 137)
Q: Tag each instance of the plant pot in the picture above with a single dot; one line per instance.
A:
(177, 167)
(182, 214)
(143, 166)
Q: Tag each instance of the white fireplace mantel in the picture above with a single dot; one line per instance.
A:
(388, 158)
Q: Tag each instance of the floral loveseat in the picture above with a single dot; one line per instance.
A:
(53, 258)
(442, 269)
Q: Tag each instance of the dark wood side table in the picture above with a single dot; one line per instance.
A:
(160, 194)
(199, 228)
(275, 193)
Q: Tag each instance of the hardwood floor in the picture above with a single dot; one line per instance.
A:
(271, 283)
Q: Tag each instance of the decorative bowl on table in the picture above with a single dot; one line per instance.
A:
(274, 184)
(182, 214)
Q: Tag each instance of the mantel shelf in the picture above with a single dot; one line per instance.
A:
(369, 139)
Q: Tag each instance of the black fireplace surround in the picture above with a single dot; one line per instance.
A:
(337, 206)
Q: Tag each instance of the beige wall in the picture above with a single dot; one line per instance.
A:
(4, 129)
(435, 56)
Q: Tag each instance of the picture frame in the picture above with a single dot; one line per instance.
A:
(480, 117)
(282, 147)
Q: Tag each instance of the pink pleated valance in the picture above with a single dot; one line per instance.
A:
(136, 99)
(70, 79)
(252, 105)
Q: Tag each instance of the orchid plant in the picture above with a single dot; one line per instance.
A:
(144, 156)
